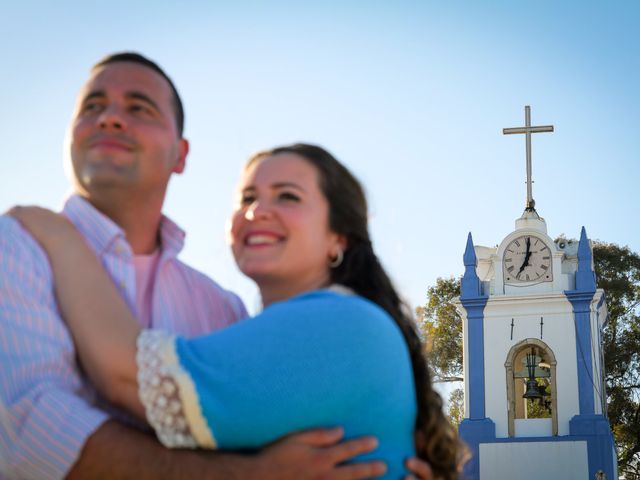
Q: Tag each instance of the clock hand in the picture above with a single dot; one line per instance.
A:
(529, 252)
(524, 264)
(526, 257)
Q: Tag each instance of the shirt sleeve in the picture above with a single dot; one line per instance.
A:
(159, 389)
(45, 415)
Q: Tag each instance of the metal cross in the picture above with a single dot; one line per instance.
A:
(528, 130)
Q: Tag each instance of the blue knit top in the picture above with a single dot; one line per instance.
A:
(321, 359)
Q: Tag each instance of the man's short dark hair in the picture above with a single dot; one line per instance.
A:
(141, 60)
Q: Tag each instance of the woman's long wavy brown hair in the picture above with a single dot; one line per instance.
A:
(436, 439)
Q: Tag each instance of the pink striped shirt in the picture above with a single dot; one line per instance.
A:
(47, 410)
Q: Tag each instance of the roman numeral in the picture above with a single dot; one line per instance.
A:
(510, 269)
(545, 258)
(517, 243)
(508, 259)
(544, 267)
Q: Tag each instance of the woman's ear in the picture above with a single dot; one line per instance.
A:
(342, 242)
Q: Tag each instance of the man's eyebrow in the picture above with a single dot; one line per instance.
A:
(94, 94)
(132, 95)
(144, 98)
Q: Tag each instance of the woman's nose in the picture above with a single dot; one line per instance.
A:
(257, 210)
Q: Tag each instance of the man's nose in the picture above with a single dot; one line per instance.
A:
(112, 117)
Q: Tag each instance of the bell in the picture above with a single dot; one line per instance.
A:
(532, 389)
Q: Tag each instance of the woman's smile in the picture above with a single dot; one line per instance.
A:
(262, 238)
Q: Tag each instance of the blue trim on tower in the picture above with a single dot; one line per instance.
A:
(581, 302)
(588, 425)
(601, 450)
(470, 286)
(477, 428)
(474, 302)
(475, 432)
(580, 299)
(585, 276)
(475, 350)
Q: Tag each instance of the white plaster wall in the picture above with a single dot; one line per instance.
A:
(534, 460)
(558, 334)
(465, 356)
(486, 257)
(596, 321)
(533, 427)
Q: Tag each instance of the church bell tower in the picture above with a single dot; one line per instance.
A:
(535, 401)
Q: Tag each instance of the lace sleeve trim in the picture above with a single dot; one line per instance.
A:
(168, 394)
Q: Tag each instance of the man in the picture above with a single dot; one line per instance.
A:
(125, 142)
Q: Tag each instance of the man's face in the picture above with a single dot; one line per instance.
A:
(123, 136)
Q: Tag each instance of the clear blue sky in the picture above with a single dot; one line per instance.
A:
(411, 95)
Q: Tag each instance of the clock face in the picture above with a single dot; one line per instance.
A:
(527, 259)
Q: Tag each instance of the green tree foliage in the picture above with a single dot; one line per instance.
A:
(441, 327)
(455, 409)
(618, 273)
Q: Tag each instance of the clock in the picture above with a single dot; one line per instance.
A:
(527, 259)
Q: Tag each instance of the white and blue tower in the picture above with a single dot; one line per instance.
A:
(535, 401)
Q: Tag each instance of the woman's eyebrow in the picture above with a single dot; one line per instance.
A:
(275, 186)
(288, 185)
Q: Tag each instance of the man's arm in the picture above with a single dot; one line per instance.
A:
(117, 452)
(44, 414)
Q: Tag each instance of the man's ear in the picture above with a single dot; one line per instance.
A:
(183, 151)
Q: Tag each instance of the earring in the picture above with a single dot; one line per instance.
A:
(337, 261)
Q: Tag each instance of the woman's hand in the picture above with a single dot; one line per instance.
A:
(103, 329)
(419, 468)
(48, 228)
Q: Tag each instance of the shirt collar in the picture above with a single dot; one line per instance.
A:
(103, 234)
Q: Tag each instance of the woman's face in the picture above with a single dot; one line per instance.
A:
(280, 229)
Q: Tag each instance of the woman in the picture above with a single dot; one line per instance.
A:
(334, 345)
